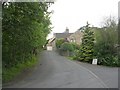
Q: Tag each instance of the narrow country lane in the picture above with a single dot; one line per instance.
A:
(55, 71)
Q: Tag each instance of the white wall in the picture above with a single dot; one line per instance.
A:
(49, 48)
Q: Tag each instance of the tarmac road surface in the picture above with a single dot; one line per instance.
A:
(55, 71)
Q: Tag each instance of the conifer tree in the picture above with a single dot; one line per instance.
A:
(87, 46)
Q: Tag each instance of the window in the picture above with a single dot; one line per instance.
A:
(71, 40)
(74, 40)
(80, 40)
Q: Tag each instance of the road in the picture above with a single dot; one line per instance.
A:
(55, 71)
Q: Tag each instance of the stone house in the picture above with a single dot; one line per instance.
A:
(76, 37)
(63, 35)
(71, 37)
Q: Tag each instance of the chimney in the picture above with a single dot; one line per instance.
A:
(67, 30)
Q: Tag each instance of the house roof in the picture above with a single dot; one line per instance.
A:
(51, 40)
(62, 35)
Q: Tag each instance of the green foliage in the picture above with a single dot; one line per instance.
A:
(108, 60)
(75, 46)
(118, 43)
(66, 49)
(25, 27)
(75, 51)
(9, 74)
(101, 43)
(106, 45)
(59, 42)
(66, 46)
(86, 49)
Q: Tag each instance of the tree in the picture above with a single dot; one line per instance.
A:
(106, 43)
(86, 49)
(25, 27)
(118, 43)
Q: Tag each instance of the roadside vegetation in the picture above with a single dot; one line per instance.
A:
(97, 43)
(25, 27)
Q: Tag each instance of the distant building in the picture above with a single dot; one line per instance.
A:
(67, 30)
(70, 37)
(52, 41)
(65, 34)
(76, 37)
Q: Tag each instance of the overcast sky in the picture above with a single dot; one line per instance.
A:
(75, 13)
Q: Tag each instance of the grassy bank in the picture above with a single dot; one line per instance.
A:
(8, 74)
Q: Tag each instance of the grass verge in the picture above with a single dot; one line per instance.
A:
(9, 74)
(71, 58)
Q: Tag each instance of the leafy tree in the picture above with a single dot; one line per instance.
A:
(107, 43)
(118, 42)
(25, 27)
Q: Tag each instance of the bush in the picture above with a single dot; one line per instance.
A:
(67, 47)
(75, 46)
(59, 42)
(106, 45)
(9, 74)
